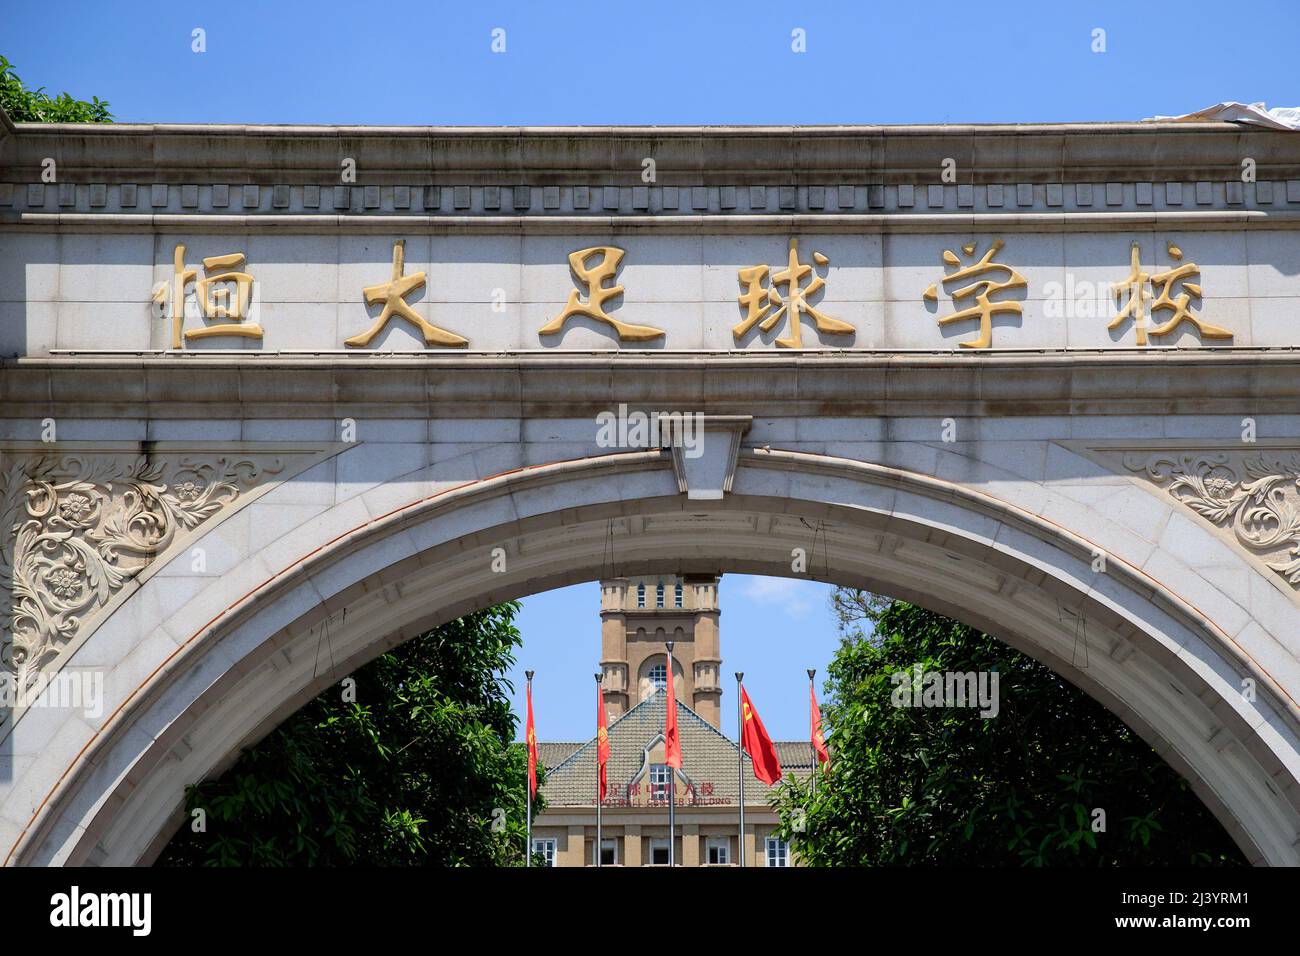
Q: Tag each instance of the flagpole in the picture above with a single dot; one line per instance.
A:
(740, 764)
(812, 672)
(528, 797)
(599, 679)
(672, 790)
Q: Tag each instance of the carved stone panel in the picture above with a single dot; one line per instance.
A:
(1255, 496)
(78, 526)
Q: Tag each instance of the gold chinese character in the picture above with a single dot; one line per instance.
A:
(212, 303)
(1179, 306)
(1135, 287)
(598, 294)
(758, 299)
(393, 295)
(981, 289)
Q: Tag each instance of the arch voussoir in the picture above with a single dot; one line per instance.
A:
(1157, 661)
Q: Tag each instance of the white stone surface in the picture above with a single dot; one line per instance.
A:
(498, 291)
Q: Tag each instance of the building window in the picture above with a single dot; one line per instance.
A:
(659, 677)
(719, 851)
(640, 594)
(659, 852)
(659, 594)
(609, 852)
(659, 781)
(547, 849)
(677, 594)
(778, 852)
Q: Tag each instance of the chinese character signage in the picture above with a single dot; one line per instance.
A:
(983, 287)
(213, 303)
(974, 284)
(760, 298)
(646, 794)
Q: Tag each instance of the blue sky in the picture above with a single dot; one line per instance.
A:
(665, 63)
(584, 62)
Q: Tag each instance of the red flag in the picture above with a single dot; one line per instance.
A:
(757, 743)
(531, 736)
(672, 743)
(602, 739)
(818, 741)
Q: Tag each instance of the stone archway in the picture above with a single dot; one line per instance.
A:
(180, 710)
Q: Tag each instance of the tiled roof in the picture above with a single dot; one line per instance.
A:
(552, 754)
(708, 757)
(793, 754)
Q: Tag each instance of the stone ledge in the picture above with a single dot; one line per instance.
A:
(1001, 383)
(1048, 153)
(712, 224)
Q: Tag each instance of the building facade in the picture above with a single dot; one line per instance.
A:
(638, 615)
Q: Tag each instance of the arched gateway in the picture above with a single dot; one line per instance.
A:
(260, 425)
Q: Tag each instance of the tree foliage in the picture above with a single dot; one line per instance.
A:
(419, 771)
(944, 785)
(36, 106)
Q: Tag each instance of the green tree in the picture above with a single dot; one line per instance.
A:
(944, 785)
(36, 106)
(419, 771)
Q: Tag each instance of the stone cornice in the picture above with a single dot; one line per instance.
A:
(999, 383)
(1085, 152)
(713, 224)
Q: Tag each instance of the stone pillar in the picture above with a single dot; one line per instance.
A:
(691, 845)
(707, 693)
(631, 846)
(752, 857)
(708, 669)
(613, 646)
(574, 847)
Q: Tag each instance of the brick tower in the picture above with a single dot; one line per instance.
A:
(637, 615)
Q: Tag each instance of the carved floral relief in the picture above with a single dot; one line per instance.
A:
(1256, 498)
(77, 527)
